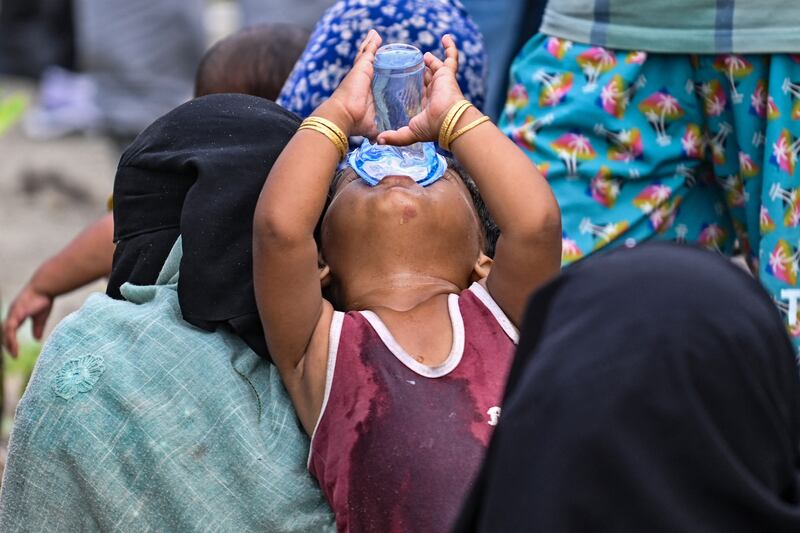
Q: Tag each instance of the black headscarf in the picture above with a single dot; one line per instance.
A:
(198, 171)
(654, 389)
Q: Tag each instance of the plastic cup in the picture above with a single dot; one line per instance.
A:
(398, 85)
(397, 88)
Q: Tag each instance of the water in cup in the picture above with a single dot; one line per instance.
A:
(398, 85)
(397, 88)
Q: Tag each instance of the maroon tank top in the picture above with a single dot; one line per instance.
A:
(398, 443)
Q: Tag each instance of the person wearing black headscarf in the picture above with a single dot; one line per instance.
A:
(136, 420)
(654, 389)
(198, 171)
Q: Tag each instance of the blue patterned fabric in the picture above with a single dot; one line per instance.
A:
(334, 44)
(134, 420)
(690, 148)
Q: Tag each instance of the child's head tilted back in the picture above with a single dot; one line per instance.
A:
(256, 60)
(399, 229)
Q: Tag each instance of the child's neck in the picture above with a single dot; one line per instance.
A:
(414, 309)
(395, 291)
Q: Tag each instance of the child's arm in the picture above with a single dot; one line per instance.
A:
(518, 197)
(85, 259)
(286, 273)
(522, 204)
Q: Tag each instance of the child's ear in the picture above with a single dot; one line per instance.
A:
(482, 267)
(324, 272)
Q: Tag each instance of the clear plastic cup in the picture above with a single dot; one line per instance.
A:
(398, 85)
(397, 88)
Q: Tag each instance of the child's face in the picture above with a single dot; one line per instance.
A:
(435, 227)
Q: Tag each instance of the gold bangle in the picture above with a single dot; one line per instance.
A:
(447, 118)
(331, 126)
(456, 118)
(465, 129)
(448, 121)
(327, 133)
(332, 133)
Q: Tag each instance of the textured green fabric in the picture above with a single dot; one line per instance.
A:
(678, 26)
(135, 420)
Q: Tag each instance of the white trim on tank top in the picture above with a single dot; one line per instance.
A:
(333, 349)
(483, 295)
(456, 350)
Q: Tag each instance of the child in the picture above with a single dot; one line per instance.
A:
(256, 60)
(396, 438)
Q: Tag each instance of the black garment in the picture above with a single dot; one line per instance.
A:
(655, 389)
(198, 171)
(35, 34)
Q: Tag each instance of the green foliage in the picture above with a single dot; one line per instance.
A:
(11, 109)
(23, 364)
(19, 370)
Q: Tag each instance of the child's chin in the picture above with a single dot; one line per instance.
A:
(399, 209)
(398, 199)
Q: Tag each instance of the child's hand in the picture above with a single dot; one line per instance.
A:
(352, 101)
(30, 303)
(441, 92)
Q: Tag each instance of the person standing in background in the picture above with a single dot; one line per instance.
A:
(305, 13)
(138, 61)
(669, 121)
(35, 34)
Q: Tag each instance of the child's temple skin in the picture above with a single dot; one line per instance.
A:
(396, 249)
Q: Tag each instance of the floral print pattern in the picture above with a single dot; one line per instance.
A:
(334, 44)
(694, 149)
(78, 375)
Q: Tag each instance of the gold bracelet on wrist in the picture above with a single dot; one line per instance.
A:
(331, 126)
(329, 130)
(456, 118)
(343, 143)
(450, 119)
(327, 133)
(465, 129)
(450, 122)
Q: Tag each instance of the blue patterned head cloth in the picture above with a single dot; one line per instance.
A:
(333, 45)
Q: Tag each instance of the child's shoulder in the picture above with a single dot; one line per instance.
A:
(478, 301)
